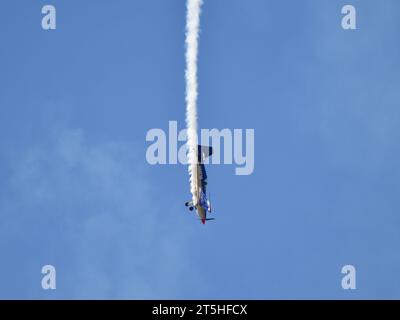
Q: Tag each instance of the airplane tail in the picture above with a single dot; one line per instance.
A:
(203, 152)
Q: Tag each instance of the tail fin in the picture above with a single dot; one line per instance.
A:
(203, 152)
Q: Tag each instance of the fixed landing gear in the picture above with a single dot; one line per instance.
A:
(190, 205)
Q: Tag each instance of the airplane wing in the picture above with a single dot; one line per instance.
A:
(202, 153)
(199, 174)
(196, 183)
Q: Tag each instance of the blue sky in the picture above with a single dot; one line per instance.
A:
(76, 190)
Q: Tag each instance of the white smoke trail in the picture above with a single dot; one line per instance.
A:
(192, 36)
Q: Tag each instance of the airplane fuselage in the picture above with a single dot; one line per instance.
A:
(200, 201)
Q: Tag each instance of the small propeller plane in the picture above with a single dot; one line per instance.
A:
(203, 204)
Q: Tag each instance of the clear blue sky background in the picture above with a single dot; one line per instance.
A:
(76, 190)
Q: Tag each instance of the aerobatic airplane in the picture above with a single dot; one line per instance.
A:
(203, 204)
